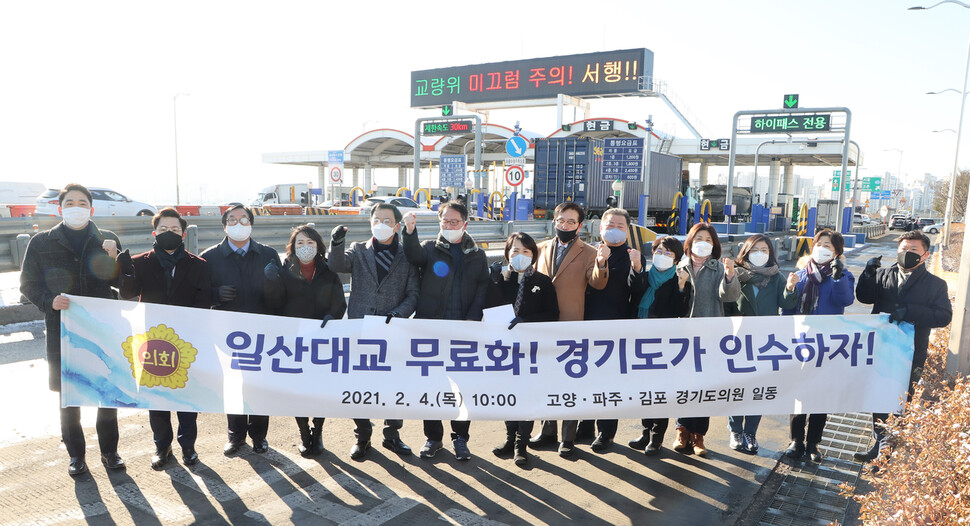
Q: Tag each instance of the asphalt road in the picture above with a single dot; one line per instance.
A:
(621, 486)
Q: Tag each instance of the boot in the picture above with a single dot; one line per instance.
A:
(682, 444)
(653, 447)
(521, 455)
(699, 449)
(641, 441)
(316, 440)
(505, 449)
(795, 450)
(304, 447)
(813, 452)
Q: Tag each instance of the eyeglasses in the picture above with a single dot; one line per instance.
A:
(452, 222)
(241, 221)
(566, 222)
(664, 253)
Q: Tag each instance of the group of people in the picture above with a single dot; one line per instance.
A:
(393, 274)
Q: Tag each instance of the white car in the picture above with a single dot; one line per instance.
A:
(106, 202)
(403, 204)
(932, 229)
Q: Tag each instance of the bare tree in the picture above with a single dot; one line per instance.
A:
(959, 195)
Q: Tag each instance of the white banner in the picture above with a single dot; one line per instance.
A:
(125, 354)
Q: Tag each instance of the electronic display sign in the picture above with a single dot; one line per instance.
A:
(602, 73)
(448, 127)
(791, 123)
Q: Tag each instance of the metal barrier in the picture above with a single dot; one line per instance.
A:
(877, 229)
(136, 232)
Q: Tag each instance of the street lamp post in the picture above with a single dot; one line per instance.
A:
(175, 122)
(958, 359)
(948, 216)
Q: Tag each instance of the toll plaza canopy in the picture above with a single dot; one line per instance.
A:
(390, 148)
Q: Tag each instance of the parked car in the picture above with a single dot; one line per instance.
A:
(404, 204)
(903, 223)
(932, 229)
(861, 219)
(106, 202)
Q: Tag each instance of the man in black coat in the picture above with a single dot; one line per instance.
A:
(168, 275)
(74, 257)
(454, 278)
(237, 270)
(907, 292)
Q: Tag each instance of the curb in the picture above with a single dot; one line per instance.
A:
(19, 313)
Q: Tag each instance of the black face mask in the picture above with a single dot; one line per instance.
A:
(908, 260)
(566, 235)
(168, 240)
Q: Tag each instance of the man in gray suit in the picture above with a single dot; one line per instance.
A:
(382, 283)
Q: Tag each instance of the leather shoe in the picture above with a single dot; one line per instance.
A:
(543, 441)
(112, 460)
(190, 457)
(231, 448)
(359, 449)
(161, 457)
(640, 442)
(395, 445)
(77, 466)
(601, 443)
(260, 446)
(567, 449)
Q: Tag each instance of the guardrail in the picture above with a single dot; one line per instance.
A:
(136, 232)
(877, 229)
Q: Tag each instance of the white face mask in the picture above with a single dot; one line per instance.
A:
(520, 262)
(381, 232)
(239, 233)
(305, 253)
(452, 236)
(662, 262)
(822, 255)
(613, 236)
(76, 216)
(701, 249)
(758, 259)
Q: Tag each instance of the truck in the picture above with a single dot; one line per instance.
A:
(284, 194)
(570, 169)
(827, 215)
(717, 195)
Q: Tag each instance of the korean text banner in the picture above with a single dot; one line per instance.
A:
(125, 354)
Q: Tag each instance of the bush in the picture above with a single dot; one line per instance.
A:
(926, 477)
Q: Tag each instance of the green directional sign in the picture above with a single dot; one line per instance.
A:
(790, 102)
(837, 175)
(871, 184)
(447, 110)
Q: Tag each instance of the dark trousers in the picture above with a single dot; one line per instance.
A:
(303, 422)
(585, 427)
(161, 423)
(364, 429)
(73, 434)
(696, 424)
(522, 427)
(255, 426)
(607, 428)
(392, 429)
(435, 430)
(816, 424)
(655, 428)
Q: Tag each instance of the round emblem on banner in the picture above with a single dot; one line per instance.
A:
(514, 175)
(159, 357)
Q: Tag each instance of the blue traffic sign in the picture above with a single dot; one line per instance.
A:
(622, 159)
(452, 171)
(516, 146)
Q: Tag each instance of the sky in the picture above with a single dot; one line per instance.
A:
(88, 88)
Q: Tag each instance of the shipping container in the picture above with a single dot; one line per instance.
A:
(716, 194)
(568, 169)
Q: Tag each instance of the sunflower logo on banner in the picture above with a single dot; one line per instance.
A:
(159, 357)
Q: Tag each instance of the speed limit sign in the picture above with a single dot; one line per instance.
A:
(514, 175)
(335, 174)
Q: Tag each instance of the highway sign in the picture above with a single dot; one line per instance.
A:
(622, 159)
(516, 161)
(837, 175)
(514, 175)
(790, 102)
(720, 144)
(871, 184)
(447, 110)
(516, 146)
(335, 160)
(448, 127)
(791, 123)
(336, 173)
(451, 171)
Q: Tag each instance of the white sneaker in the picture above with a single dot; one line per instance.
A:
(751, 442)
(736, 441)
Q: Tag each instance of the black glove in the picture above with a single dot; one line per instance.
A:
(125, 265)
(495, 272)
(837, 267)
(227, 293)
(898, 315)
(338, 234)
(272, 271)
(515, 321)
(325, 320)
(390, 315)
(872, 265)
